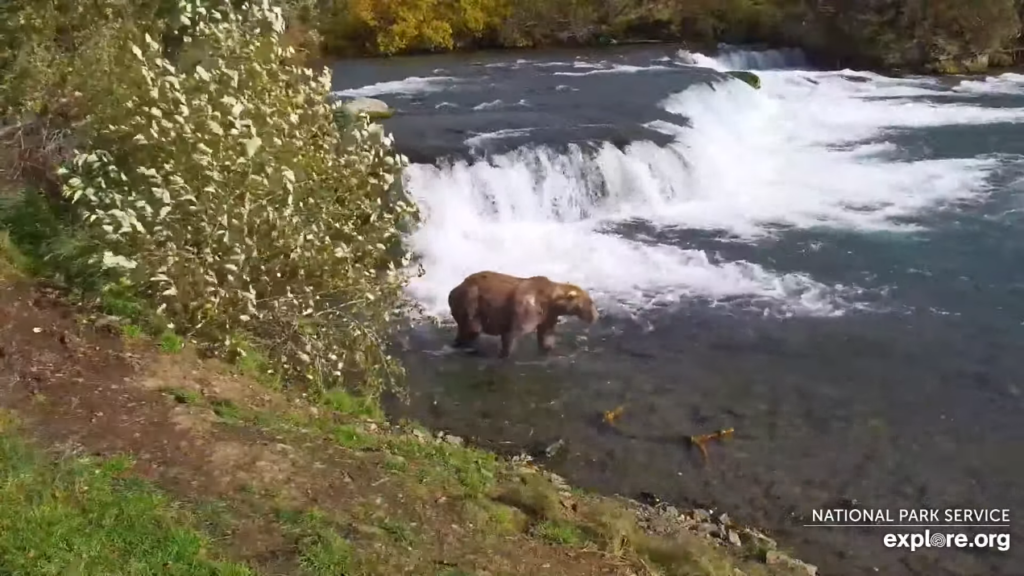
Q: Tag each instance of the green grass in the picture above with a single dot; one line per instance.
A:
(454, 572)
(251, 362)
(399, 531)
(351, 437)
(48, 243)
(131, 332)
(87, 516)
(321, 550)
(344, 402)
(460, 468)
(12, 261)
(171, 343)
(560, 532)
(184, 396)
(227, 410)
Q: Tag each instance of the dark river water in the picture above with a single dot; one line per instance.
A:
(832, 265)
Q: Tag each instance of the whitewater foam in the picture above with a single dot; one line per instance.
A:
(477, 139)
(806, 155)
(732, 59)
(411, 85)
(809, 149)
(494, 104)
(1008, 83)
(612, 69)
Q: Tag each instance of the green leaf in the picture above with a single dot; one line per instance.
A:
(252, 145)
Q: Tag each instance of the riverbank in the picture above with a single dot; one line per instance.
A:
(155, 458)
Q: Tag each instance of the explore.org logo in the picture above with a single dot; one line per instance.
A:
(942, 528)
(929, 539)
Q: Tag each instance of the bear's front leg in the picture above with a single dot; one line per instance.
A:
(466, 337)
(546, 337)
(508, 339)
(508, 343)
(526, 319)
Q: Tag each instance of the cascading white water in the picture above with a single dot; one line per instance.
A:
(785, 58)
(804, 151)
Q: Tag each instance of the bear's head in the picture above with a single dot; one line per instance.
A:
(571, 300)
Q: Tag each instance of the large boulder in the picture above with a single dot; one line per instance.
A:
(375, 109)
(749, 77)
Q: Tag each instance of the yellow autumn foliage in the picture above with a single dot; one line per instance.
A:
(394, 26)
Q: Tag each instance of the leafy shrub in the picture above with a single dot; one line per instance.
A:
(221, 186)
(52, 246)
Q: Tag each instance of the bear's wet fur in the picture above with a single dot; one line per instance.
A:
(498, 304)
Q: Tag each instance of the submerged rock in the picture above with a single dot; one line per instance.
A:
(749, 77)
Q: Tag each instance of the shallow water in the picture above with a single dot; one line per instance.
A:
(831, 265)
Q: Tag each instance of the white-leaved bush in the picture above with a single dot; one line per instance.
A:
(222, 186)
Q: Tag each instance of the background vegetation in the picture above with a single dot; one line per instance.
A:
(940, 34)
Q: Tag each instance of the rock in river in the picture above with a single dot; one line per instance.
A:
(749, 77)
(375, 109)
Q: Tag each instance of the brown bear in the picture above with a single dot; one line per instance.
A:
(508, 306)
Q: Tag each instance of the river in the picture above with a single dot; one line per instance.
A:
(832, 265)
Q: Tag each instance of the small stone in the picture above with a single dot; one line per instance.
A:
(776, 558)
(453, 440)
(706, 528)
(553, 449)
(37, 330)
(106, 321)
(672, 511)
(734, 538)
(419, 435)
(724, 519)
(761, 540)
(558, 481)
(701, 515)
